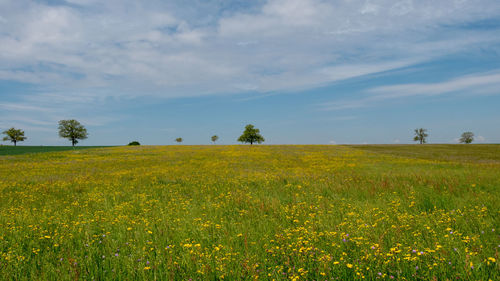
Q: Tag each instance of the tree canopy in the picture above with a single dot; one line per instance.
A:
(179, 140)
(214, 138)
(14, 135)
(251, 135)
(72, 130)
(467, 137)
(421, 135)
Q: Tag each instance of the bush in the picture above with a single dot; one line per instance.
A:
(134, 143)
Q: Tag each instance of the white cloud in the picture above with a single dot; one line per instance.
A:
(130, 48)
(470, 82)
(480, 138)
(476, 84)
(332, 142)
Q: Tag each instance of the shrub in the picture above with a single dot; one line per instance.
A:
(134, 143)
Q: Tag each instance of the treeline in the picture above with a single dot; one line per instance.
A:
(74, 132)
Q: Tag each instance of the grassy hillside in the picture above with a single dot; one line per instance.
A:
(261, 212)
(14, 150)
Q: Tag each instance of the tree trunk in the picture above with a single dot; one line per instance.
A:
(15, 143)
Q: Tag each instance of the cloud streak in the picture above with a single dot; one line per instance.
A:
(483, 83)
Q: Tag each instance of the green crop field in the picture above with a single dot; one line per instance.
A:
(381, 212)
(14, 150)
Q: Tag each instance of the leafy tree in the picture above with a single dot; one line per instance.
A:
(134, 143)
(214, 138)
(251, 135)
(72, 130)
(14, 135)
(467, 137)
(421, 135)
(179, 140)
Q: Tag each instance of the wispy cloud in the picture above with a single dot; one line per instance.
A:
(482, 83)
(22, 107)
(470, 82)
(164, 49)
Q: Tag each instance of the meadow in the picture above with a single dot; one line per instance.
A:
(411, 212)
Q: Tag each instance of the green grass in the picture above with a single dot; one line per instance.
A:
(15, 150)
(247, 213)
(446, 152)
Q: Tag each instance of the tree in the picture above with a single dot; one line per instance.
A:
(72, 130)
(14, 135)
(179, 140)
(467, 137)
(421, 135)
(214, 138)
(251, 135)
(134, 143)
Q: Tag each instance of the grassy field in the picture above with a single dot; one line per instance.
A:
(428, 212)
(14, 150)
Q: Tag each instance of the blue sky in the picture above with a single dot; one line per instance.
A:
(302, 71)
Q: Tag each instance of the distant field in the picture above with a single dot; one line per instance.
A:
(429, 212)
(14, 150)
(446, 152)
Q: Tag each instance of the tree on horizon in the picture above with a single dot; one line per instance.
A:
(214, 138)
(467, 137)
(72, 130)
(14, 135)
(179, 140)
(421, 135)
(251, 135)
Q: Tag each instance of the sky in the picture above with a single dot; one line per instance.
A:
(302, 71)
